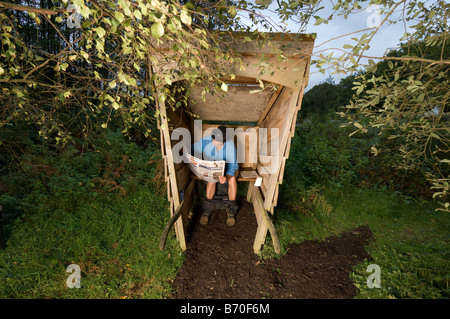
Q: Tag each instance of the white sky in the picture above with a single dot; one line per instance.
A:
(388, 36)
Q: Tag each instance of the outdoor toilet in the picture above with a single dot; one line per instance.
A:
(266, 121)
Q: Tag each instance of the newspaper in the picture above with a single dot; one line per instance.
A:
(206, 170)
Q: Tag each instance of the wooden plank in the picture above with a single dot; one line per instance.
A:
(277, 116)
(175, 202)
(251, 184)
(275, 198)
(288, 148)
(280, 176)
(230, 106)
(184, 207)
(270, 104)
(291, 72)
(264, 225)
(283, 142)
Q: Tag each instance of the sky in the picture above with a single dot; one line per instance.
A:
(387, 37)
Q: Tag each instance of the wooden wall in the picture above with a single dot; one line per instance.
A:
(180, 187)
(281, 115)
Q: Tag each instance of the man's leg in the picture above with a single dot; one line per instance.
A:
(210, 190)
(208, 205)
(232, 206)
(232, 187)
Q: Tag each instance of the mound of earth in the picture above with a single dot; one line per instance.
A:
(220, 263)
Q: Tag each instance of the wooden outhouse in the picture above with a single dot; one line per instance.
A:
(272, 110)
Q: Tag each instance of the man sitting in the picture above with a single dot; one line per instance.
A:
(216, 147)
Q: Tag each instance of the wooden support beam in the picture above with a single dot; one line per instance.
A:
(285, 134)
(250, 191)
(271, 102)
(284, 142)
(175, 200)
(184, 205)
(264, 225)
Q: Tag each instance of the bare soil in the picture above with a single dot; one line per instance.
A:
(220, 263)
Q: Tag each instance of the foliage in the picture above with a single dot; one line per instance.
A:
(407, 93)
(119, 60)
(323, 153)
(409, 101)
(100, 209)
(326, 98)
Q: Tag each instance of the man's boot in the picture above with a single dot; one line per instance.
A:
(232, 208)
(207, 209)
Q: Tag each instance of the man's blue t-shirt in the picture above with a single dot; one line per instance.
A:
(210, 153)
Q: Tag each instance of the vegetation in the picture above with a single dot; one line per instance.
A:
(334, 183)
(102, 210)
(79, 173)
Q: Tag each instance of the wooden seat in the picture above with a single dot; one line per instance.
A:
(239, 179)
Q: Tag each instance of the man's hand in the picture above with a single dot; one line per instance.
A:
(222, 179)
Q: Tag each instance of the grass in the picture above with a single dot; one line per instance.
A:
(410, 239)
(72, 211)
(114, 241)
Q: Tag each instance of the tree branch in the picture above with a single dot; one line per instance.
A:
(30, 9)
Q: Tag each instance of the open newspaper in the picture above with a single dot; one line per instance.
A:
(206, 170)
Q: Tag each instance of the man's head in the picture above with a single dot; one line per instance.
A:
(220, 134)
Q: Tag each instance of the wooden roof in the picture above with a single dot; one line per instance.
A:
(261, 59)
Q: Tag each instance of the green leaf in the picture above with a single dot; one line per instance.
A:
(138, 14)
(84, 54)
(157, 30)
(100, 32)
(319, 21)
(112, 84)
(127, 50)
(359, 90)
(185, 18)
(119, 16)
(374, 150)
(62, 66)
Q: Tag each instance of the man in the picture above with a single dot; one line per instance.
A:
(216, 147)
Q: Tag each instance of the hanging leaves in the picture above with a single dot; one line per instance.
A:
(157, 30)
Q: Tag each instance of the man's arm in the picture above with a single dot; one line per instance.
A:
(231, 160)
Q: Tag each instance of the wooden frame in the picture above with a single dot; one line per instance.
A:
(275, 110)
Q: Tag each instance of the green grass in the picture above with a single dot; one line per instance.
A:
(68, 209)
(410, 238)
(114, 241)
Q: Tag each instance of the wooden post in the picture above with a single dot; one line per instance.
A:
(285, 134)
(185, 204)
(265, 223)
(175, 202)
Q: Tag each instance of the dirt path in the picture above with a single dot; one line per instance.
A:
(220, 263)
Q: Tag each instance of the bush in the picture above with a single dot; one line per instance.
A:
(325, 153)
